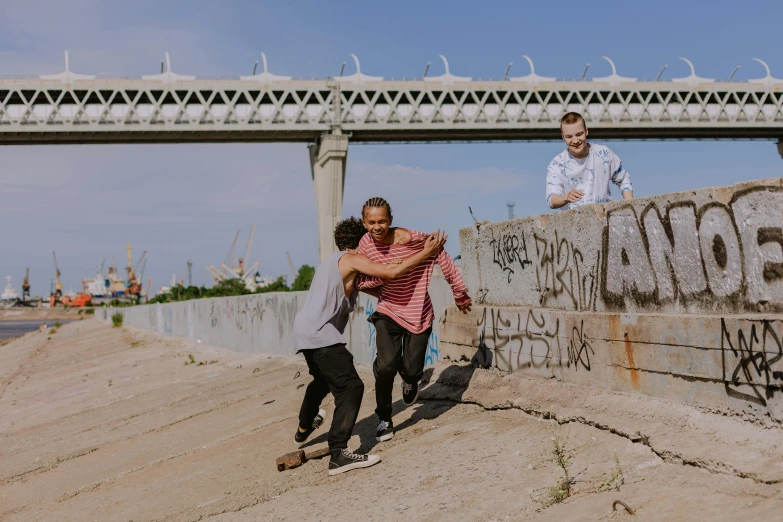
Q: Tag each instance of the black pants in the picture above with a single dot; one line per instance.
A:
(398, 351)
(333, 370)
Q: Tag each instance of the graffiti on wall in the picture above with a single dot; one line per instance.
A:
(729, 256)
(752, 360)
(716, 257)
(509, 252)
(433, 350)
(579, 348)
(369, 309)
(513, 341)
(561, 269)
(248, 315)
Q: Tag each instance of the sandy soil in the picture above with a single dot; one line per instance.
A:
(100, 423)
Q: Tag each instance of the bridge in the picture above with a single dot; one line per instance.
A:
(70, 108)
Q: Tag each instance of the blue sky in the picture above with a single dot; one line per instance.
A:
(183, 202)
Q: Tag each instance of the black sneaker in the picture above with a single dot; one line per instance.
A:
(301, 436)
(385, 431)
(410, 392)
(343, 460)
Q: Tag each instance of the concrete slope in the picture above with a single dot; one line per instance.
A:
(101, 423)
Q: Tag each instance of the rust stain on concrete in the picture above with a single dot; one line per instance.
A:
(631, 365)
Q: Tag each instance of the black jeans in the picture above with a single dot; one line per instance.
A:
(333, 370)
(398, 351)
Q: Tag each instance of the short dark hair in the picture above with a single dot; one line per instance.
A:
(572, 117)
(377, 202)
(348, 233)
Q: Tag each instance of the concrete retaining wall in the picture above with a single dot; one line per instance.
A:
(263, 323)
(714, 250)
(676, 296)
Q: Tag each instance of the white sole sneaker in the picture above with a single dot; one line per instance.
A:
(371, 461)
(384, 438)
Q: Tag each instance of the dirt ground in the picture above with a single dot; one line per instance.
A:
(101, 423)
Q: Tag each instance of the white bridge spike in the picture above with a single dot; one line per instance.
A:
(768, 81)
(67, 76)
(614, 69)
(264, 77)
(529, 61)
(614, 79)
(532, 78)
(168, 76)
(445, 63)
(356, 61)
(692, 80)
(358, 77)
(447, 78)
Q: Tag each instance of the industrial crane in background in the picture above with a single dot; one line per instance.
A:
(236, 268)
(58, 287)
(246, 257)
(26, 284)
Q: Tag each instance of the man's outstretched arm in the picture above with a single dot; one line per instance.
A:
(452, 275)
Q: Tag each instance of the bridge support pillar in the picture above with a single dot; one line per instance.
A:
(780, 147)
(327, 160)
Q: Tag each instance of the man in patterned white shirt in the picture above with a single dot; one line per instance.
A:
(580, 175)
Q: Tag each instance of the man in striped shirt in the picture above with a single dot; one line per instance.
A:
(403, 319)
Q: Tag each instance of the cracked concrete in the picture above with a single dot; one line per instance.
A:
(110, 424)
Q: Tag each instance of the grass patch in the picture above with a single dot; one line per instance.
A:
(616, 479)
(191, 359)
(562, 455)
(116, 320)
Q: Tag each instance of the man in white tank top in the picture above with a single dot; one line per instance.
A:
(318, 334)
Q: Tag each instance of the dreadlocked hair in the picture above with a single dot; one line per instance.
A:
(348, 233)
(379, 203)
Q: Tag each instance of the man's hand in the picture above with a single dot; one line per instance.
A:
(561, 200)
(574, 195)
(435, 242)
(464, 307)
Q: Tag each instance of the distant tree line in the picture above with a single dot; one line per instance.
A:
(232, 287)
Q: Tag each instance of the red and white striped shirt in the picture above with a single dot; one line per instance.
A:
(405, 299)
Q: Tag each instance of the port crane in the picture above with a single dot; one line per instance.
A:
(58, 287)
(236, 268)
(26, 284)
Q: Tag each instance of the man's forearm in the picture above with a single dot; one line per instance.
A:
(628, 194)
(557, 200)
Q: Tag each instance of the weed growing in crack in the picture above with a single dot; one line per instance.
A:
(192, 360)
(616, 479)
(562, 455)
